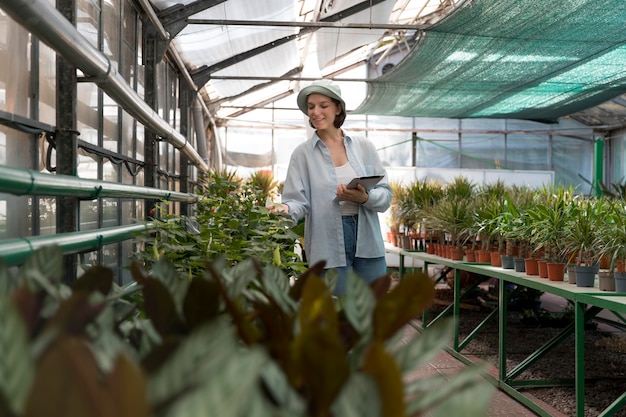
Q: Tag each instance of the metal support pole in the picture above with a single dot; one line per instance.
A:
(65, 137)
(598, 166)
(150, 138)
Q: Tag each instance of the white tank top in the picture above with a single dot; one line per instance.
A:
(345, 173)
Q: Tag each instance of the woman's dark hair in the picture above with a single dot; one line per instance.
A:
(339, 119)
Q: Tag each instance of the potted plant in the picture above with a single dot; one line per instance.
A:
(394, 217)
(171, 345)
(549, 219)
(611, 240)
(422, 194)
(452, 214)
(512, 225)
(489, 207)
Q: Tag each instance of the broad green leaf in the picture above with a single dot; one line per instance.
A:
(238, 277)
(7, 282)
(280, 391)
(16, 362)
(165, 272)
(359, 303)
(199, 357)
(359, 397)
(455, 384)
(43, 270)
(225, 390)
(423, 346)
(474, 400)
(276, 285)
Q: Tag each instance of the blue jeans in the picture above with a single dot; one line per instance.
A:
(367, 268)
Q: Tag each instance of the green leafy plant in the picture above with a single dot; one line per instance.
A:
(229, 341)
(586, 215)
(512, 221)
(232, 222)
(549, 218)
(265, 184)
(610, 237)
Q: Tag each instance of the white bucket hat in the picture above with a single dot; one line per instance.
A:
(326, 87)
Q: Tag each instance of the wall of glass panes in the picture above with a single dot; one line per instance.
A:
(566, 149)
(28, 89)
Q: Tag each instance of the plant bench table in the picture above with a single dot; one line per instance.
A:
(588, 302)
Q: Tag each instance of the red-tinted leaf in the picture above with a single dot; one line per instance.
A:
(317, 307)
(68, 383)
(201, 302)
(29, 305)
(295, 292)
(278, 335)
(402, 304)
(318, 351)
(75, 313)
(322, 360)
(128, 388)
(161, 308)
(139, 274)
(159, 355)
(383, 368)
(96, 278)
(381, 286)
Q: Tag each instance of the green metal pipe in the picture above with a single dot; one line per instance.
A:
(26, 182)
(15, 251)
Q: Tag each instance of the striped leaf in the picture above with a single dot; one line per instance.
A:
(198, 358)
(360, 397)
(16, 363)
(359, 303)
(423, 346)
(43, 270)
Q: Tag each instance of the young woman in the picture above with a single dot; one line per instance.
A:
(341, 224)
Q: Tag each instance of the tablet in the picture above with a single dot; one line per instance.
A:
(367, 182)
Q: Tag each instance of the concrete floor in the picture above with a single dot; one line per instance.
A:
(502, 405)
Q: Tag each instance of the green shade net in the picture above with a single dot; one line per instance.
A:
(526, 59)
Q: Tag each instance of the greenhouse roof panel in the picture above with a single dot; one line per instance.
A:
(509, 58)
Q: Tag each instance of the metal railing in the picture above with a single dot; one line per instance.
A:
(15, 251)
(16, 181)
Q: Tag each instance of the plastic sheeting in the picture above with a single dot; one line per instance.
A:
(509, 58)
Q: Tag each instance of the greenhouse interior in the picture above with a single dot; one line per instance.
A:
(149, 275)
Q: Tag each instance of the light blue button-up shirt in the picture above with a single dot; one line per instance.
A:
(309, 192)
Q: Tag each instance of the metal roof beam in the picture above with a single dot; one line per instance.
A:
(202, 75)
(288, 75)
(174, 19)
(305, 25)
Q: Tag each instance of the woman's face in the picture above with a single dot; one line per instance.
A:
(322, 111)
